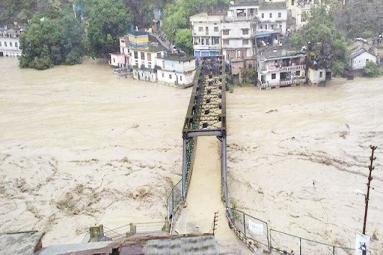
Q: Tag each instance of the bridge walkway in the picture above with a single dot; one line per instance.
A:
(204, 198)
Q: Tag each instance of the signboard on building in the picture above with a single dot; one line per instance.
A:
(362, 243)
(254, 227)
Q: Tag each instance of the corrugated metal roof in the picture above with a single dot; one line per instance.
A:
(199, 245)
(20, 243)
(79, 248)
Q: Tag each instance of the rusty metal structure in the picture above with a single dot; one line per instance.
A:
(206, 116)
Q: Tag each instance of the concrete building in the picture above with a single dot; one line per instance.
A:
(9, 43)
(278, 67)
(360, 57)
(300, 10)
(272, 17)
(316, 76)
(238, 37)
(142, 55)
(176, 70)
(206, 29)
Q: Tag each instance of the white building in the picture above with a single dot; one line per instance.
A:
(206, 29)
(360, 57)
(316, 76)
(176, 70)
(9, 43)
(272, 17)
(148, 60)
(278, 67)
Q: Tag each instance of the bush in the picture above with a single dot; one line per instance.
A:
(372, 70)
(338, 68)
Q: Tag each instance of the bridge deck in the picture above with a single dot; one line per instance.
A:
(204, 197)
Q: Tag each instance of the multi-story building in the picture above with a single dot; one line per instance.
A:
(144, 56)
(272, 17)
(238, 37)
(278, 67)
(9, 43)
(300, 10)
(176, 69)
(207, 34)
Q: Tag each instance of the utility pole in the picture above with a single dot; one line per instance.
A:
(367, 196)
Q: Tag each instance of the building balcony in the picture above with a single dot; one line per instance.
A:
(207, 47)
(240, 18)
(207, 34)
(272, 68)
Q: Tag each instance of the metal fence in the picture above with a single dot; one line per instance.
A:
(256, 234)
(252, 231)
(136, 228)
(174, 200)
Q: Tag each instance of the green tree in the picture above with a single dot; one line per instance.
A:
(52, 41)
(107, 20)
(184, 40)
(372, 70)
(325, 44)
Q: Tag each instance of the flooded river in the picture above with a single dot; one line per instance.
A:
(78, 146)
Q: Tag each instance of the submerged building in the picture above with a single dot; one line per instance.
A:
(9, 43)
(279, 67)
(145, 58)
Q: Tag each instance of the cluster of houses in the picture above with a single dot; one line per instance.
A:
(145, 57)
(248, 35)
(9, 42)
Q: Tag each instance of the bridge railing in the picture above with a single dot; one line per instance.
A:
(256, 234)
(174, 201)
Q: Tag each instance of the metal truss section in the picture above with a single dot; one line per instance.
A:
(206, 114)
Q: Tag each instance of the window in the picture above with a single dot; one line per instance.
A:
(225, 42)
(246, 42)
(5, 44)
(142, 55)
(298, 73)
(149, 56)
(272, 26)
(320, 74)
(0, 44)
(262, 15)
(207, 30)
(135, 54)
(180, 77)
(261, 27)
(271, 15)
(245, 31)
(266, 26)
(200, 29)
(170, 76)
(292, 2)
(279, 15)
(226, 31)
(215, 40)
(216, 29)
(163, 75)
(273, 76)
(10, 44)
